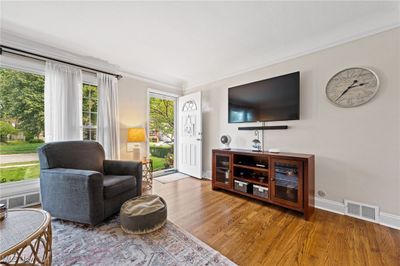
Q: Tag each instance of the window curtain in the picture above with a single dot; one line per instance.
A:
(62, 102)
(108, 115)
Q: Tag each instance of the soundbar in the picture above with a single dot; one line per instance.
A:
(264, 128)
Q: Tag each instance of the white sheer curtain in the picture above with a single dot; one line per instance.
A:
(108, 115)
(62, 102)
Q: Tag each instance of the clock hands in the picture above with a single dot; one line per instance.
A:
(353, 85)
(346, 90)
(354, 82)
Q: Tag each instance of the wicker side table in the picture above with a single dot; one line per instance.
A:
(25, 238)
(147, 173)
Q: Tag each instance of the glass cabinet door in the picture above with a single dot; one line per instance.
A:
(287, 182)
(222, 174)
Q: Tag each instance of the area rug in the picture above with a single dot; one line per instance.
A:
(107, 244)
(171, 178)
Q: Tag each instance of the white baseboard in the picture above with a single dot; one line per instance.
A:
(329, 205)
(206, 174)
(386, 219)
(389, 220)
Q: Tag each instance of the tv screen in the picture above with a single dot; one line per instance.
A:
(274, 99)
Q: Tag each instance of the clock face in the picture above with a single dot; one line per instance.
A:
(352, 87)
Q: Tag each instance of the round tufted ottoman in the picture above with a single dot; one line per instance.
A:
(143, 214)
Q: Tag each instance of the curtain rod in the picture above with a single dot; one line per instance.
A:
(4, 48)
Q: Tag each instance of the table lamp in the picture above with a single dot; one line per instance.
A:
(136, 135)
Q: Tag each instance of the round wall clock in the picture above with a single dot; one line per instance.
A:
(352, 87)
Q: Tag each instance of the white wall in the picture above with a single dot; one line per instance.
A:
(358, 149)
(132, 96)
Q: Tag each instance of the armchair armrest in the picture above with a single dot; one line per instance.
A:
(134, 168)
(73, 194)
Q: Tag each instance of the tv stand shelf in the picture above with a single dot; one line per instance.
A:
(284, 179)
(252, 180)
(251, 167)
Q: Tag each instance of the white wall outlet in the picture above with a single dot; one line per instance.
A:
(130, 147)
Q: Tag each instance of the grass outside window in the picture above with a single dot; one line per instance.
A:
(18, 147)
(19, 171)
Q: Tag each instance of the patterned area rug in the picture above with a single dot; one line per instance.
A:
(107, 244)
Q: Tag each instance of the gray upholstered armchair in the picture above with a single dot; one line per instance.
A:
(78, 184)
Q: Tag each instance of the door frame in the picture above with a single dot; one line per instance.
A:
(174, 97)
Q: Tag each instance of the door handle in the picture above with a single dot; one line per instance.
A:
(198, 139)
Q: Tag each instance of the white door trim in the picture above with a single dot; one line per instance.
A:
(149, 90)
(173, 97)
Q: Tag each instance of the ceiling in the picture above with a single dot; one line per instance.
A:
(186, 44)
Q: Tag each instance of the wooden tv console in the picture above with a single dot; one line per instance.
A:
(284, 179)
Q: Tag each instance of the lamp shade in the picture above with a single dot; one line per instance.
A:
(136, 135)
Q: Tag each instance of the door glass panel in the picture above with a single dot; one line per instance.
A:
(222, 169)
(286, 181)
(162, 132)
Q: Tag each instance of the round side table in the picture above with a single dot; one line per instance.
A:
(25, 238)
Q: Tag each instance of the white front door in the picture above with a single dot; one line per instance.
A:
(190, 135)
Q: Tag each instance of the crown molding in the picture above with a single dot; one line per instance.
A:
(352, 38)
(176, 86)
(13, 35)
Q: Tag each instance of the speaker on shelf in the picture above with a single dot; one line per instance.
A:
(226, 140)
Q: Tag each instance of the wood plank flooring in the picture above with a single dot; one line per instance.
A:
(253, 233)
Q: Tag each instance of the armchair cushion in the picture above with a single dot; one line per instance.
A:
(132, 168)
(115, 185)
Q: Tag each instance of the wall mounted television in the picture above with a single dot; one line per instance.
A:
(273, 99)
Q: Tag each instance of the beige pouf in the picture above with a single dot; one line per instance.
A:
(143, 214)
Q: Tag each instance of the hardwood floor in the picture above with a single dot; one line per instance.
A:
(253, 233)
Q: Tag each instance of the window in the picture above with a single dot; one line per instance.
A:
(89, 109)
(21, 124)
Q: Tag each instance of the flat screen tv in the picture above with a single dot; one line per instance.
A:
(273, 99)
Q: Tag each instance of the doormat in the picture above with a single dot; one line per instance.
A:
(171, 178)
